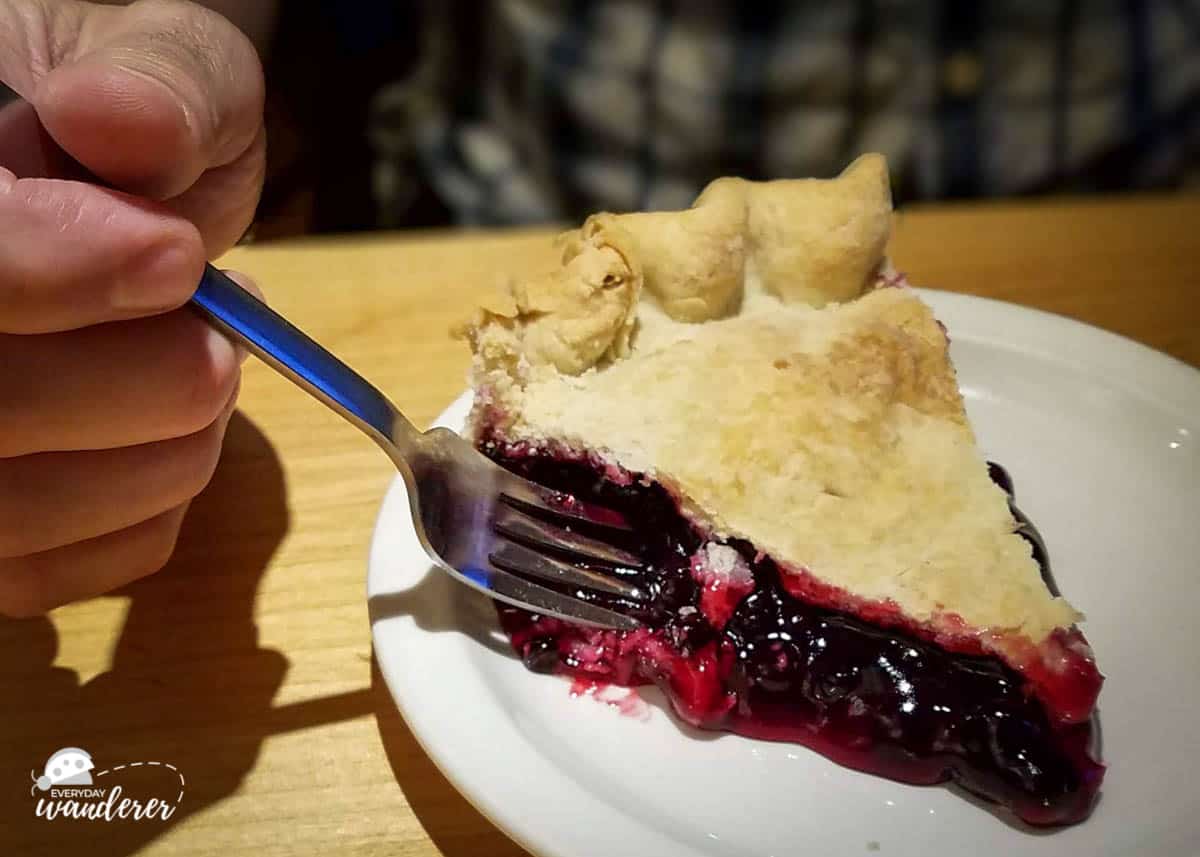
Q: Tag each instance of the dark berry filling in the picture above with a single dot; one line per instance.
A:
(734, 650)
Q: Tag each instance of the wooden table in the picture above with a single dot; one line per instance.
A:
(247, 661)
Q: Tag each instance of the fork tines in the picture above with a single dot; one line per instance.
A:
(542, 541)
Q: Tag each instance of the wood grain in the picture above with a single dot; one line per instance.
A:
(247, 661)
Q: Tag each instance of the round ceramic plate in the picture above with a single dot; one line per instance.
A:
(1102, 437)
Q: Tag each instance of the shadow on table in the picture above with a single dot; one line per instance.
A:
(189, 683)
(455, 826)
(439, 604)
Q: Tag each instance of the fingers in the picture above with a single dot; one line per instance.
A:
(113, 385)
(108, 425)
(150, 96)
(31, 585)
(147, 412)
(246, 283)
(55, 499)
(27, 150)
(222, 203)
(75, 254)
(162, 98)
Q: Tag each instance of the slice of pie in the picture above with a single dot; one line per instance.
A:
(776, 414)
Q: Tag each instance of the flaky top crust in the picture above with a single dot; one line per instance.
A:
(750, 355)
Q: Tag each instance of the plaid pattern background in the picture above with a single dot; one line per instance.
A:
(534, 110)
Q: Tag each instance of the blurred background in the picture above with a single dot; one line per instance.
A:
(411, 114)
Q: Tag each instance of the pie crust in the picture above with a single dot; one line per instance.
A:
(757, 356)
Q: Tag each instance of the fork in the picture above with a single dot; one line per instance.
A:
(488, 528)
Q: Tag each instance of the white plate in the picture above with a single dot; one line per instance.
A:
(1102, 437)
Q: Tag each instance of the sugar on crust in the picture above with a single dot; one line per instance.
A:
(752, 355)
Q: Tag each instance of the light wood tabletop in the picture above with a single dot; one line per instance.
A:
(246, 663)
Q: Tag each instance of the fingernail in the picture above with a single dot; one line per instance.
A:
(222, 349)
(223, 341)
(156, 280)
(247, 283)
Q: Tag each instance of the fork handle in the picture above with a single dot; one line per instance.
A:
(271, 337)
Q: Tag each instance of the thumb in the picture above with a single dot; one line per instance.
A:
(150, 96)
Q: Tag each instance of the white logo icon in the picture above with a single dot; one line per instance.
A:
(69, 781)
(69, 766)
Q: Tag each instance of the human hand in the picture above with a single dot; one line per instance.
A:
(137, 153)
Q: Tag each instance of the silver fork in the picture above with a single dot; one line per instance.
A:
(487, 527)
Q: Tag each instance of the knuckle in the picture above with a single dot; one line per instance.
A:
(173, 262)
(17, 535)
(199, 453)
(18, 609)
(21, 596)
(158, 545)
(257, 156)
(20, 391)
(20, 293)
(16, 541)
